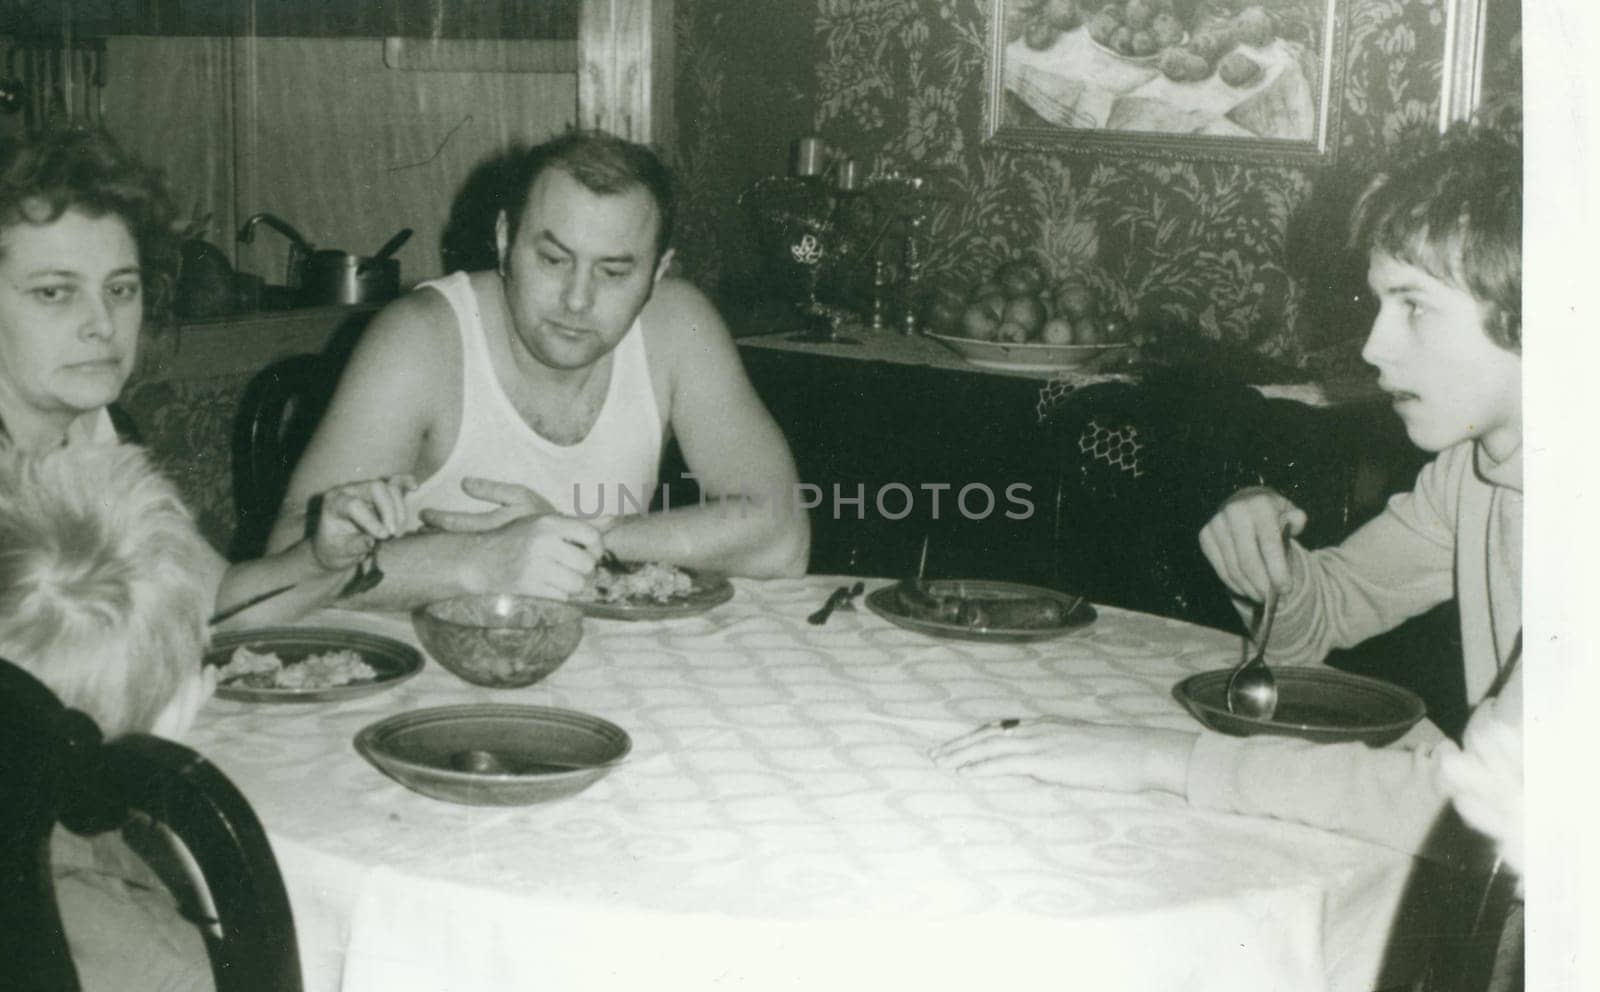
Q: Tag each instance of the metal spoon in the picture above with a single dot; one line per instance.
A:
(1252, 690)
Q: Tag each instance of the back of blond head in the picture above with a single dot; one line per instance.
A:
(104, 581)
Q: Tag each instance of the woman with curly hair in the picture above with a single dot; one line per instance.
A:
(87, 253)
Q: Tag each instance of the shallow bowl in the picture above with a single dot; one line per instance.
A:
(501, 641)
(1316, 704)
(1035, 355)
(539, 753)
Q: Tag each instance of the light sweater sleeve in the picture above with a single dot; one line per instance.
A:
(1390, 796)
(1399, 564)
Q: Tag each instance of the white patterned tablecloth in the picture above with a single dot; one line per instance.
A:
(779, 825)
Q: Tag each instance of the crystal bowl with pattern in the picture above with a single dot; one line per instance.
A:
(501, 640)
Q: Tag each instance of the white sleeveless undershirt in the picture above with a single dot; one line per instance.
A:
(614, 467)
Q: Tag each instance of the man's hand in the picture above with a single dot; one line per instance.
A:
(514, 502)
(352, 517)
(1245, 542)
(1076, 754)
(546, 555)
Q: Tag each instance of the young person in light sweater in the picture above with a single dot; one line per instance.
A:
(1443, 235)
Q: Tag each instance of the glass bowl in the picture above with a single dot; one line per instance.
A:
(501, 640)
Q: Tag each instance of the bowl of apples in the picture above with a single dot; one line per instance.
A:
(1016, 320)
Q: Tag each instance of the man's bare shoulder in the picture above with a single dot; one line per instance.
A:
(416, 325)
(680, 316)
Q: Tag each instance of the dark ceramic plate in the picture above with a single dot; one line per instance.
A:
(393, 661)
(1317, 704)
(494, 754)
(710, 589)
(1076, 612)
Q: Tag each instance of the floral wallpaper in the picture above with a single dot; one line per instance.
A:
(1239, 255)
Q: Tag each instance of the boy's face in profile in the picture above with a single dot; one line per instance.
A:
(1448, 381)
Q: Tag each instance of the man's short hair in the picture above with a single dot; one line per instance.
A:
(1455, 211)
(603, 163)
(104, 581)
(43, 177)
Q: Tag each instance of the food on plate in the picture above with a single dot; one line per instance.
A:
(1103, 25)
(1075, 299)
(649, 582)
(1019, 277)
(1040, 35)
(1057, 330)
(1011, 332)
(1039, 23)
(981, 320)
(941, 313)
(1183, 66)
(1028, 312)
(1167, 30)
(1238, 69)
(1088, 330)
(989, 287)
(993, 612)
(266, 670)
(1137, 14)
(1253, 26)
(1063, 15)
(1023, 303)
(1209, 47)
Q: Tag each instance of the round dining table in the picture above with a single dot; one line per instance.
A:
(779, 824)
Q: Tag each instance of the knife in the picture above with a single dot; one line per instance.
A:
(238, 608)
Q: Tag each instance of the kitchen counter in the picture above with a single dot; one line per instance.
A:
(244, 342)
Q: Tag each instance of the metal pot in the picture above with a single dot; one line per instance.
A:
(333, 277)
(330, 276)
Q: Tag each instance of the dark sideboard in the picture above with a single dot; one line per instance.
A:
(1118, 471)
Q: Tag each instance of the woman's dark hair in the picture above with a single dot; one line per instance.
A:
(603, 163)
(1455, 211)
(76, 169)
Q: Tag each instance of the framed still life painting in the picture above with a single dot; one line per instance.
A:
(1229, 79)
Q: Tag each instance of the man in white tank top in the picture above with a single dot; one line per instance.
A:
(532, 402)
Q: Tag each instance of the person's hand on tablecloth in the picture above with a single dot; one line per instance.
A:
(1246, 542)
(1075, 754)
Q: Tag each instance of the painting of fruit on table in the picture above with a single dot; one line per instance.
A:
(1248, 78)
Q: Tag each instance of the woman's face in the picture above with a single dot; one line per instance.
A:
(70, 311)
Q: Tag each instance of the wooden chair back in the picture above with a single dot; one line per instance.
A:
(55, 768)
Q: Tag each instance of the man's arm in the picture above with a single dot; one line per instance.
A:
(381, 411)
(749, 524)
(389, 399)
